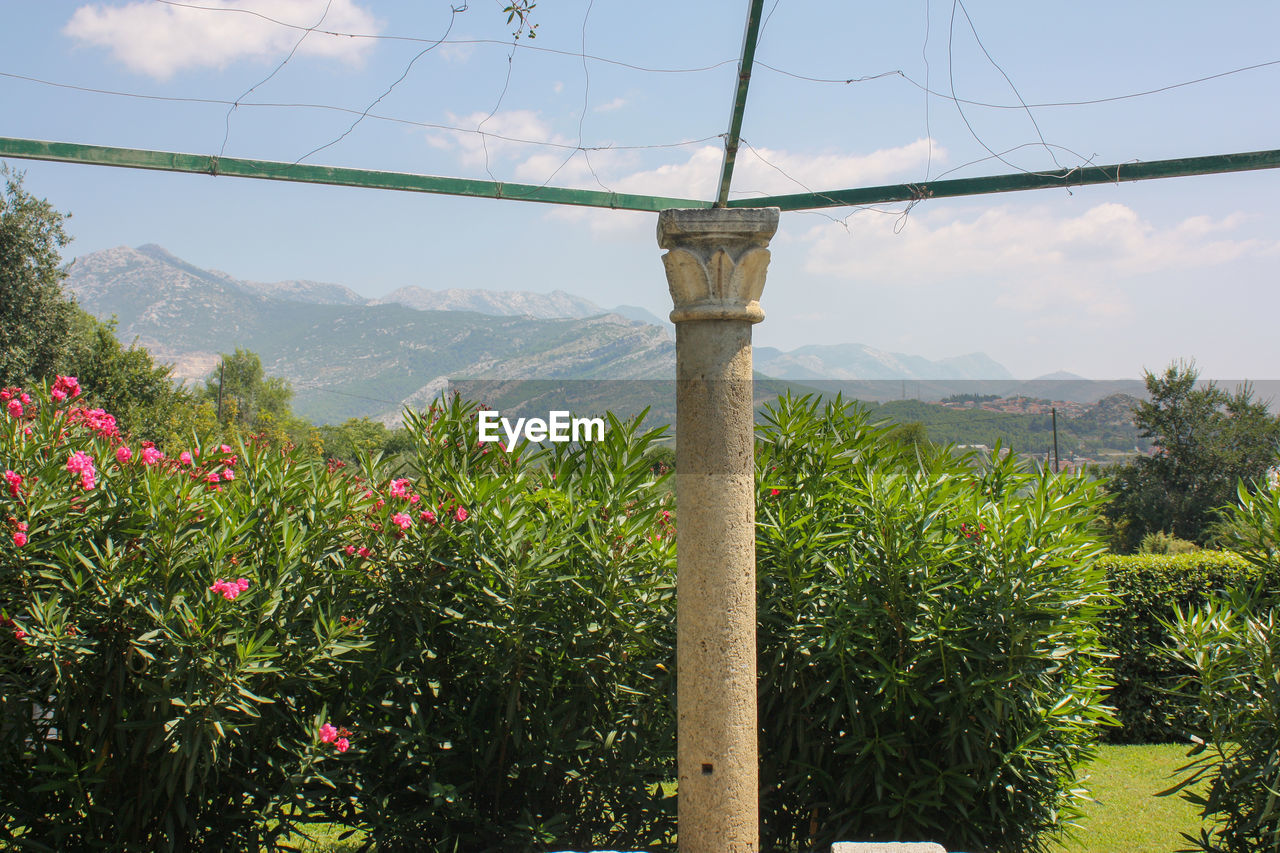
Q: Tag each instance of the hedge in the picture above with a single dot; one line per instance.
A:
(1150, 589)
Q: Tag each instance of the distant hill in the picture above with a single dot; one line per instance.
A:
(348, 360)
(350, 356)
(858, 361)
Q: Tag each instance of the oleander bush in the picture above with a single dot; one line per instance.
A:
(518, 694)
(1230, 648)
(930, 660)
(170, 626)
(213, 651)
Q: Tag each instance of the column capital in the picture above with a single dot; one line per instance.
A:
(716, 261)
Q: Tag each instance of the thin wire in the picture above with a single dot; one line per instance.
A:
(453, 16)
(924, 54)
(521, 45)
(952, 78)
(586, 92)
(1018, 94)
(226, 136)
(1045, 105)
(765, 24)
(506, 84)
(335, 108)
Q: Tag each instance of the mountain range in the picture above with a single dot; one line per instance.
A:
(348, 356)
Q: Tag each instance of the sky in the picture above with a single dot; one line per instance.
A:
(1102, 281)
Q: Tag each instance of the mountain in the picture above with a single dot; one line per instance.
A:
(502, 303)
(348, 360)
(858, 361)
(348, 356)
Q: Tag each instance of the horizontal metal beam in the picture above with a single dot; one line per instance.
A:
(1078, 177)
(134, 158)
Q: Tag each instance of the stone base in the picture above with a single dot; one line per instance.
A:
(887, 847)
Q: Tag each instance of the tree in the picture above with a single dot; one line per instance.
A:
(35, 319)
(245, 395)
(125, 381)
(1205, 441)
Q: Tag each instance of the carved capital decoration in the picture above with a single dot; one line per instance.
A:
(716, 261)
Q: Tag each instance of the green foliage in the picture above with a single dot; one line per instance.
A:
(34, 318)
(519, 691)
(1232, 648)
(1207, 440)
(141, 709)
(126, 382)
(1149, 588)
(930, 665)
(249, 400)
(358, 438)
(1160, 542)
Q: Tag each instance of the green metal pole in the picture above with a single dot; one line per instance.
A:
(1060, 178)
(748, 59)
(134, 158)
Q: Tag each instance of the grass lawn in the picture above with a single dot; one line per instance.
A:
(1127, 815)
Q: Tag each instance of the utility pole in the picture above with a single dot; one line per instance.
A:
(1056, 465)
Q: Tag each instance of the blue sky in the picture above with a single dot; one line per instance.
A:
(1101, 281)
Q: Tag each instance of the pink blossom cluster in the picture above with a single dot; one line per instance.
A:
(230, 589)
(82, 463)
(97, 420)
(14, 482)
(337, 737)
(65, 387)
(20, 534)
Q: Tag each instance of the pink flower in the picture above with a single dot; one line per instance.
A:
(342, 744)
(428, 516)
(399, 488)
(14, 481)
(460, 514)
(150, 456)
(97, 420)
(229, 589)
(212, 477)
(123, 454)
(328, 734)
(363, 551)
(380, 504)
(15, 409)
(184, 457)
(19, 539)
(82, 463)
(350, 549)
(773, 493)
(65, 386)
(228, 475)
(19, 634)
(402, 520)
(226, 448)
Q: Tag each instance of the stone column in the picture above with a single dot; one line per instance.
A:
(716, 267)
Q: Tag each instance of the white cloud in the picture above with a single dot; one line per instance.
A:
(1037, 261)
(615, 104)
(159, 40)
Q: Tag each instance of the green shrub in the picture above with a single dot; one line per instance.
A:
(1160, 542)
(930, 666)
(519, 691)
(1231, 646)
(145, 704)
(1149, 589)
